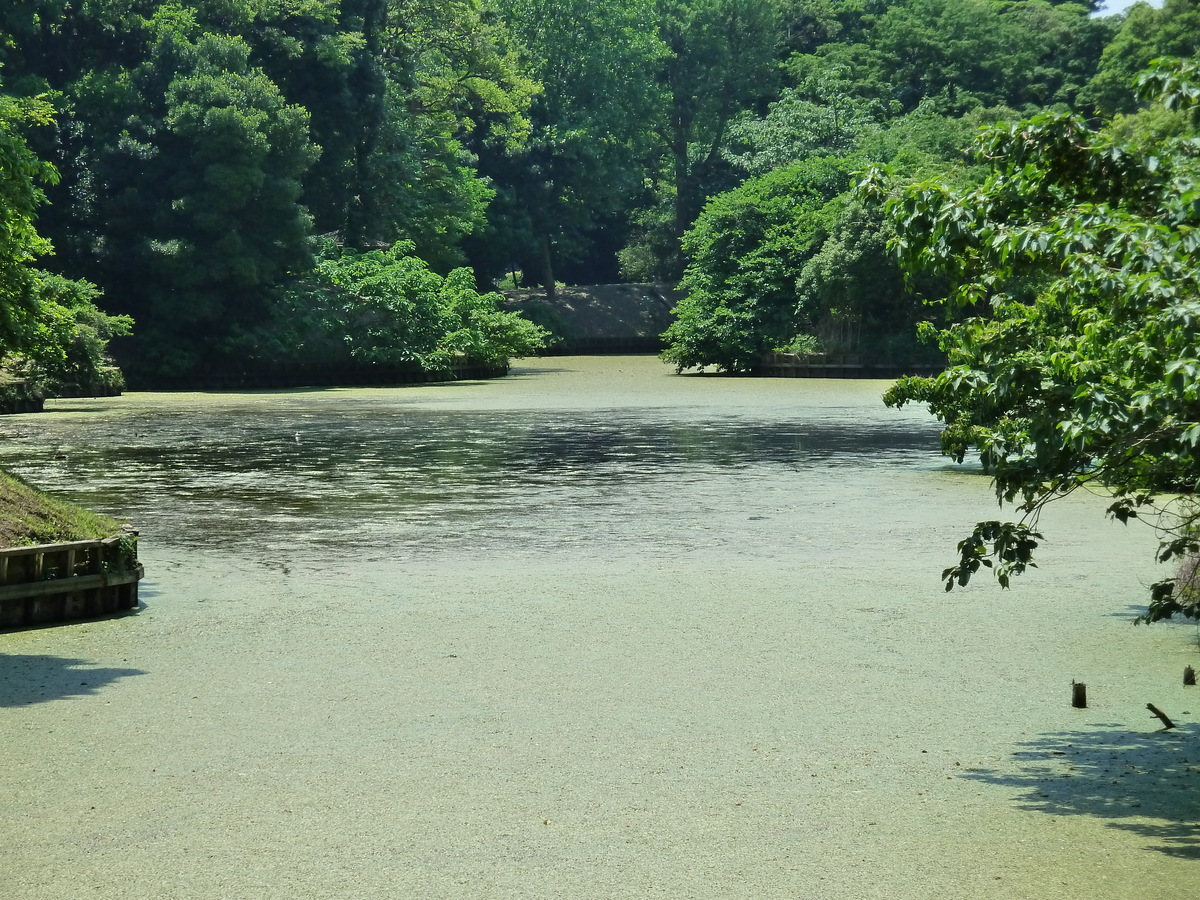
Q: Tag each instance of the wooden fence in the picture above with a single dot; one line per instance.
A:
(59, 582)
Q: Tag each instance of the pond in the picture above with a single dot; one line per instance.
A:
(441, 466)
(592, 630)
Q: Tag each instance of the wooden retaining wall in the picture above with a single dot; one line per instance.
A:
(60, 582)
(791, 365)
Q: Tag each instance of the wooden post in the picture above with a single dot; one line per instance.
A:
(1079, 695)
(1189, 675)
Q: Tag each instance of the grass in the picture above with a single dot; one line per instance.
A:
(29, 516)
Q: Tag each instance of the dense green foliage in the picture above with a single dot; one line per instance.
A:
(791, 261)
(594, 60)
(747, 249)
(388, 307)
(201, 146)
(1074, 358)
(52, 334)
(1145, 34)
(904, 84)
(20, 195)
(63, 349)
(193, 153)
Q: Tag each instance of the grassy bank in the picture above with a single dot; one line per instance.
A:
(29, 516)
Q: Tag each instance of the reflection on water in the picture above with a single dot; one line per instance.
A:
(381, 472)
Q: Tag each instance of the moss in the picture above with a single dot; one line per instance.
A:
(29, 516)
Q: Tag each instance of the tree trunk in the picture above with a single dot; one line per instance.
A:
(683, 182)
(1078, 695)
(547, 267)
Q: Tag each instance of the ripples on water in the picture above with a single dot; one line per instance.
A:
(373, 476)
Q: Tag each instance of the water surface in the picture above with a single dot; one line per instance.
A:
(592, 631)
(440, 466)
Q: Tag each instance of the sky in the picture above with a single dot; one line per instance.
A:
(1116, 6)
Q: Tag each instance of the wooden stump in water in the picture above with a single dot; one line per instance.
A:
(1189, 675)
(1162, 716)
(1079, 695)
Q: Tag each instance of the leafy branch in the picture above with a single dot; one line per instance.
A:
(1074, 357)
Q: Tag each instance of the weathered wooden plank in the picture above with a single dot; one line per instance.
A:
(10, 552)
(49, 583)
(67, 585)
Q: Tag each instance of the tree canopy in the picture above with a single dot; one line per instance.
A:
(1073, 358)
(20, 195)
(204, 149)
(51, 331)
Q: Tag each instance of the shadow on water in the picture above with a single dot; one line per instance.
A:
(520, 372)
(75, 409)
(26, 679)
(1130, 612)
(1148, 783)
(385, 475)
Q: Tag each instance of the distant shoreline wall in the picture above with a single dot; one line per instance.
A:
(600, 318)
(19, 397)
(792, 365)
(302, 375)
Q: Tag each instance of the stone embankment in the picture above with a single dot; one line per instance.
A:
(600, 318)
(18, 396)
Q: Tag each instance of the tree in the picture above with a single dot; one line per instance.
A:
(1074, 360)
(1145, 33)
(51, 331)
(595, 62)
(721, 59)
(791, 260)
(201, 142)
(64, 347)
(20, 196)
(325, 56)
(961, 54)
(853, 295)
(387, 307)
(823, 120)
(747, 250)
(407, 88)
(183, 167)
(203, 202)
